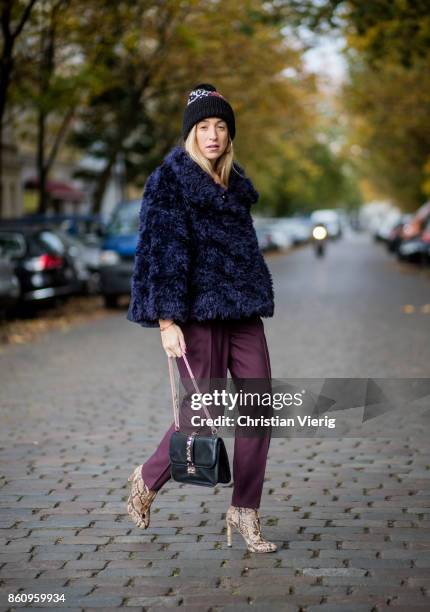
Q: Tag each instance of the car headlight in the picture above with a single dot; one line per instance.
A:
(109, 258)
(319, 232)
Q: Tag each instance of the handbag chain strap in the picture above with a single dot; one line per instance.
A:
(175, 400)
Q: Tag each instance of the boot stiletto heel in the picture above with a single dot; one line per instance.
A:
(229, 534)
(247, 523)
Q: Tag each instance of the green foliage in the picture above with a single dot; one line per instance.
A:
(387, 97)
(390, 120)
(120, 73)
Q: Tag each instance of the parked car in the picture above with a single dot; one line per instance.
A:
(279, 236)
(264, 230)
(44, 268)
(118, 250)
(296, 230)
(395, 235)
(86, 258)
(265, 239)
(383, 231)
(9, 285)
(86, 227)
(425, 237)
(330, 219)
(405, 237)
(84, 252)
(416, 250)
(415, 225)
(306, 225)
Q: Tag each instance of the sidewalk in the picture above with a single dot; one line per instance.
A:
(350, 516)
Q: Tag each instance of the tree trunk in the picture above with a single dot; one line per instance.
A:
(6, 67)
(41, 169)
(5, 76)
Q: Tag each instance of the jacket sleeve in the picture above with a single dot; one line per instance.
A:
(159, 283)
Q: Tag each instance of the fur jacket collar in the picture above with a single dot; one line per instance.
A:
(201, 189)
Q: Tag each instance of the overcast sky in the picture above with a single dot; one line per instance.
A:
(326, 59)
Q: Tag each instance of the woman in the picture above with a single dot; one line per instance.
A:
(200, 277)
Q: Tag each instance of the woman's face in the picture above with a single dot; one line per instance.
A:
(212, 137)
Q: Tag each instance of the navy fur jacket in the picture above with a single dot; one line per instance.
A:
(197, 256)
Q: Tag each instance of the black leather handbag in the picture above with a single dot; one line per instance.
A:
(195, 459)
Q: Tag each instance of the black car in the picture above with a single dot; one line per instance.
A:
(394, 238)
(42, 264)
(9, 285)
(416, 250)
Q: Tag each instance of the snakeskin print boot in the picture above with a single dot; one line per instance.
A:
(140, 499)
(247, 522)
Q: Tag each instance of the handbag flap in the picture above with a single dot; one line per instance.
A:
(203, 453)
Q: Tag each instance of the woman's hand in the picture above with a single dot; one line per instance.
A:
(172, 339)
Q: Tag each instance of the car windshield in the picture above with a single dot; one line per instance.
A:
(50, 242)
(125, 220)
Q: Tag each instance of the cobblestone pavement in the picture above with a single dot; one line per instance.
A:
(81, 408)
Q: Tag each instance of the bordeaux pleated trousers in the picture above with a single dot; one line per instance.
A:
(212, 348)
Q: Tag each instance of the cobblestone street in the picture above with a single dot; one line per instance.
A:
(81, 407)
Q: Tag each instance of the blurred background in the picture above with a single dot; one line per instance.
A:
(332, 101)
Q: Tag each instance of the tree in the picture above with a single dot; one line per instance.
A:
(389, 110)
(51, 82)
(15, 15)
(387, 96)
(161, 52)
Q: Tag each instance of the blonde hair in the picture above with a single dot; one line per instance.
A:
(223, 164)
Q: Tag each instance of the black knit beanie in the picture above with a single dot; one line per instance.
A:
(205, 101)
